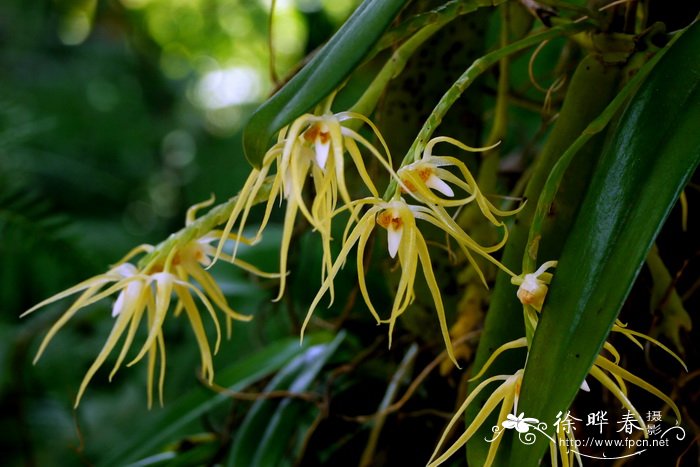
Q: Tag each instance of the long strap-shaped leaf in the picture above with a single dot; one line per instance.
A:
(264, 435)
(591, 89)
(320, 76)
(159, 428)
(653, 153)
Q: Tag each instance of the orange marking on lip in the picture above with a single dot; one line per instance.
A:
(424, 173)
(386, 219)
(314, 132)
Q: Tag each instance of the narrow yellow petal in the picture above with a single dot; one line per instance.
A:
(212, 313)
(637, 381)
(629, 333)
(356, 157)
(605, 380)
(248, 206)
(457, 417)
(199, 332)
(613, 351)
(496, 397)
(404, 293)
(164, 288)
(365, 223)
(356, 136)
(342, 115)
(506, 407)
(243, 196)
(93, 284)
(515, 344)
(437, 297)
(446, 139)
(139, 308)
(143, 248)
(65, 317)
(161, 378)
(361, 246)
(117, 330)
(288, 228)
(192, 211)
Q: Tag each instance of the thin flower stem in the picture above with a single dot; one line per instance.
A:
(422, 27)
(468, 77)
(443, 13)
(488, 170)
(500, 121)
(401, 373)
(393, 67)
(271, 44)
(551, 186)
(201, 226)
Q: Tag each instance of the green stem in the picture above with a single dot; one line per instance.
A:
(488, 170)
(422, 27)
(406, 364)
(444, 13)
(463, 82)
(201, 226)
(393, 67)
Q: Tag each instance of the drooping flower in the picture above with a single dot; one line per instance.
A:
(312, 147)
(612, 376)
(144, 295)
(505, 394)
(430, 173)
(405, 240)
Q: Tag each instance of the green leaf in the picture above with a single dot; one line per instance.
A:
(324, 72)
(592, 87)
(265, 434)
(199, 454)
(165, 427)
(652, 154)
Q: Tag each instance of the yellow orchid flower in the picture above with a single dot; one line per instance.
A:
(404, 239)
(613, 377)
(148, 292)
(506, 394)
(311, 147)
(429, 173)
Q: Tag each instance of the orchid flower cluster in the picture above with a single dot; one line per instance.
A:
(314, 147)
(306, 171)
(313, 150)
(144, 294)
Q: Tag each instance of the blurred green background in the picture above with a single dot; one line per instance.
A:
(115, 116)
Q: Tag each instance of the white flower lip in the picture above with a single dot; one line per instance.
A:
(394, 240)
(127, 297)
(322, 150)
(436, 183)
(531, 284)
